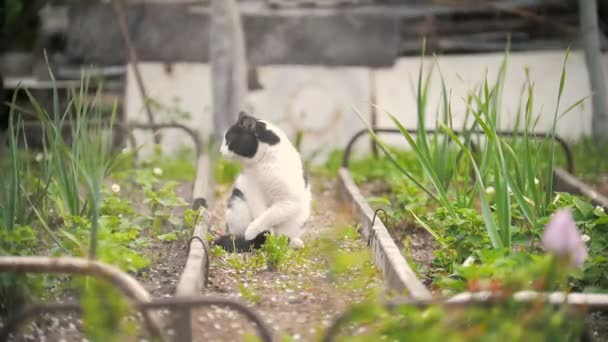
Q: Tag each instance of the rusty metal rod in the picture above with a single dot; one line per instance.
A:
(32, 310)
(129, 127)
(119, 12)
(72, 265)
(560, 140)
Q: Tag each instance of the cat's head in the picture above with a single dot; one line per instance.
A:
(248, 139)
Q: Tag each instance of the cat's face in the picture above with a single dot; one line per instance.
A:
(247, 139)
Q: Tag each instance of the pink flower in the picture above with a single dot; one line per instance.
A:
(563, 239)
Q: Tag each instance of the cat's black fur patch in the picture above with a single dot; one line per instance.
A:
(198, 203)
(236, 193)
(244, 136)
(266, 135)
(237, 244)
(241, 140)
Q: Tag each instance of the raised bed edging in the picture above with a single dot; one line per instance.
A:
(196, 269)
(386, 255)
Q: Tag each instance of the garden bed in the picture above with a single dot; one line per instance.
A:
(492, 204)
(418, 246)
(158, 255)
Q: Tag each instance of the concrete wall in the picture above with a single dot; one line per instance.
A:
(320, 101)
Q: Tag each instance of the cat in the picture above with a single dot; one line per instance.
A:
(272, 193)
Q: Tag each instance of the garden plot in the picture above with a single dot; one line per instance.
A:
(470, 216)
(427, 237)
(141, 231)
(489, 205)
(80, 197)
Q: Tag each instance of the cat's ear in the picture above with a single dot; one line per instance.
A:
(247, 121)
(264, 134)
(244, 116)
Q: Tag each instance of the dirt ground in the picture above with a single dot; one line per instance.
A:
(297, 302)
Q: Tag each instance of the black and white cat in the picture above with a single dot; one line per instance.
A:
(272, 194)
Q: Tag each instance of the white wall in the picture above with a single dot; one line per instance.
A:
(186, 83)
(320, 100)
(463, 73)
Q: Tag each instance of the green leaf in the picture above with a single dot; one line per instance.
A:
(426, 164)
(488, 219)
(429, 229)
(392, 159)
(584, 207)
(172, 236)
(379, 200)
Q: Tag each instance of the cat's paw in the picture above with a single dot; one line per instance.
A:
(251, 232)
(296, 243)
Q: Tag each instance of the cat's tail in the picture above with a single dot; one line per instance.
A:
(237, 244)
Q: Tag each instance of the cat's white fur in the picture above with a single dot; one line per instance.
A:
(276, 196)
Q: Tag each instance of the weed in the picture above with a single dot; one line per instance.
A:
(236, 262)
(247, 292)
(277, 251)
(177, 167)
(218, 251)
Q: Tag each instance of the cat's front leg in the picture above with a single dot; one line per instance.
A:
(274, 215)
